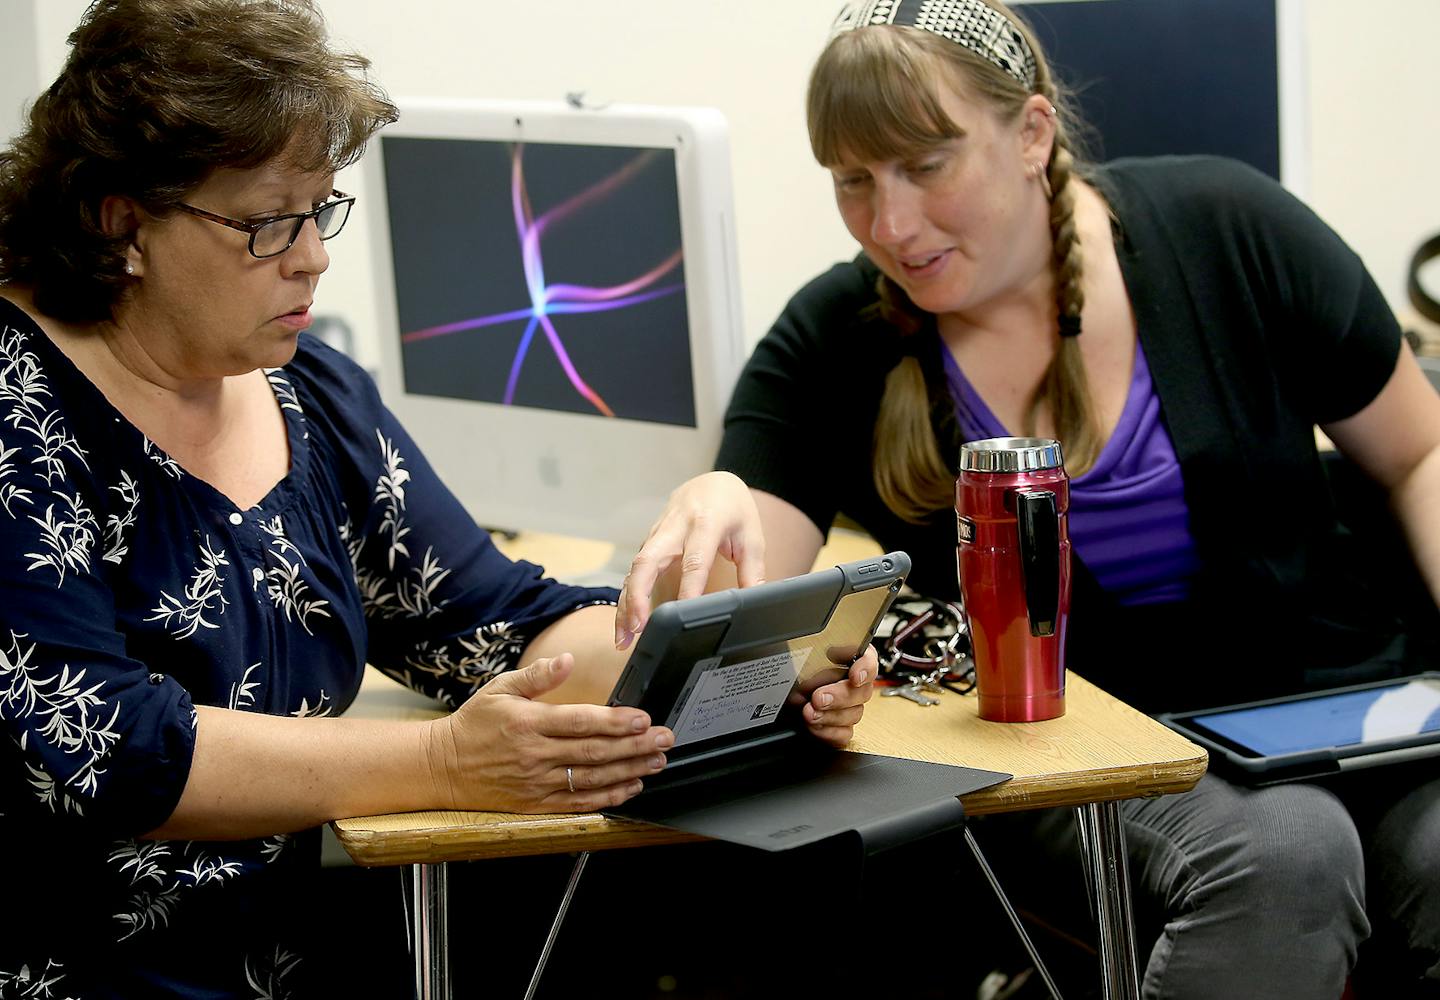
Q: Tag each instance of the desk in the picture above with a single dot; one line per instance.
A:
(1100, 752)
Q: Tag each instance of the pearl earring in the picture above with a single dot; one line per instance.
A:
(129, 268)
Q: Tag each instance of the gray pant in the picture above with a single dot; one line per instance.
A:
(1268, 892)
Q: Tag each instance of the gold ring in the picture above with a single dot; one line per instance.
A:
(570, 779)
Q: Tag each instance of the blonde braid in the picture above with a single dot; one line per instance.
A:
(1069, 265)
(1064, 386)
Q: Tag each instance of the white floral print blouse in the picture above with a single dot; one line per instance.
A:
(131, 591)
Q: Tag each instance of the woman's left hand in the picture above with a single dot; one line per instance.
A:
(709, 515)
(832, 710)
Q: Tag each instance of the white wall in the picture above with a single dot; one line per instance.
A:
(1374, 144)
(19, 74)
(749, 58)
(1375, 131)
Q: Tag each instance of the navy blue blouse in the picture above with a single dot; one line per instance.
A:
(131, 591)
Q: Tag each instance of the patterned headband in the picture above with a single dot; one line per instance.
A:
(973, 24)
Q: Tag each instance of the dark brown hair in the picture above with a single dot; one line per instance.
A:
(875, 93)
(154, 97)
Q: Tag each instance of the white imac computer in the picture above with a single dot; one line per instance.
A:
(558, 302)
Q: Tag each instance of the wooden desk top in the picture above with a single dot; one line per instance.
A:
(1100, 750)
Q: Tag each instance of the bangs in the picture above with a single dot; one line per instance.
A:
(318, 122)
(329, 122)
(875, 96)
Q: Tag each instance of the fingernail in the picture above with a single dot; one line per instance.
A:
(657, 762)
(825, 699)
(862, 677)
(638, 724)
(663, 741)
(636, 787)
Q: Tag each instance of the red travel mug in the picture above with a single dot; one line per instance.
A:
(1013, 557)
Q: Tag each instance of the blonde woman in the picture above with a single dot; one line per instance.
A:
(1181, 325)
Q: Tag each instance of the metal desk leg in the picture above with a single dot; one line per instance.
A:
(1010, 912)
(430, 937)
(575, 874)
(1102, 842)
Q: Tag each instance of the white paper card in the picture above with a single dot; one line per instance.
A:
(739, 696)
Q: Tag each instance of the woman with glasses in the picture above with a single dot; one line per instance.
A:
(209, 523)
(1181, 325)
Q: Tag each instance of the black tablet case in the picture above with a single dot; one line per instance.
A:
(1308, 764)
(886, 801)
(782, 787)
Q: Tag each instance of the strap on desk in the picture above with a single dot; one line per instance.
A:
(852, 850)
(892, 831)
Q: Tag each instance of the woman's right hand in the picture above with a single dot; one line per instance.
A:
(712, 513)
(503, 750)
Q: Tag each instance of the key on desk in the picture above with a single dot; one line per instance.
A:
(911, 691)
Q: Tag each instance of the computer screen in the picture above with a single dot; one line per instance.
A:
(1184, 76)
(557, 292)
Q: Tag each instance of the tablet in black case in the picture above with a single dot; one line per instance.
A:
(1320, 732)
(729, 673)
(720, 670)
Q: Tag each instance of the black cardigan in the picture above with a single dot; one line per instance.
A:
(1257, 322)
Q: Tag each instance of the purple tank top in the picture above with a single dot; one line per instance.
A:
(1128, 519)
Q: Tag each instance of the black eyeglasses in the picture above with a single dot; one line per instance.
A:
(272, 237)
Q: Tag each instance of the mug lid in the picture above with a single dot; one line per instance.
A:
(1011, 454)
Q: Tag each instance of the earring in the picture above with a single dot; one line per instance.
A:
(129, 268)
(1037, 170)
